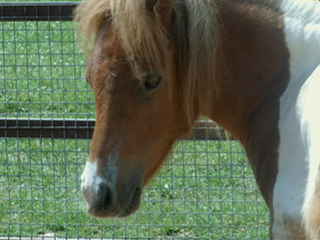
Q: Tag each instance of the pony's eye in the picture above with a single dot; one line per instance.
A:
(151, 82)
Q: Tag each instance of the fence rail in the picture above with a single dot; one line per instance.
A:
(54, 11)
(83, 129)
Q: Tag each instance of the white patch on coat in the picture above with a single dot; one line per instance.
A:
(310, 111)
(302, 31)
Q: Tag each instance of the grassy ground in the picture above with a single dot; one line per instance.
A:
(205, 190)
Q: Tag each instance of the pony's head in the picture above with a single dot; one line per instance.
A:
(149, 67)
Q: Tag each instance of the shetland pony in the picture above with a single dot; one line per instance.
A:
(252, 66)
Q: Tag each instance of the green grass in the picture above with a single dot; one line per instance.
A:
(41, 73)
(205, 190)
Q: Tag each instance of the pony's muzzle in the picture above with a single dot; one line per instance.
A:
(104, 203)
(110, 198)
(100, 201)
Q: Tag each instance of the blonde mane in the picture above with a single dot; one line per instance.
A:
(143, 34)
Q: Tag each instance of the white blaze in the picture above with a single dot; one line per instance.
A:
(90, 177)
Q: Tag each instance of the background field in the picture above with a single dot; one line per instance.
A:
(204, 191)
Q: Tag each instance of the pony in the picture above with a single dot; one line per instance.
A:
(252, 66)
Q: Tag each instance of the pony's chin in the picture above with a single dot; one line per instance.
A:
(117, 211)
(133, 205)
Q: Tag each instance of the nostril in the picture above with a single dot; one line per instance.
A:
(102, 189)
(104, 196)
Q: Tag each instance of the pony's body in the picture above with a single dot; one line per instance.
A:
(251, 66)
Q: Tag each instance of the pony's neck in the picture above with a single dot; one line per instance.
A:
(252, 69)
(252, 72)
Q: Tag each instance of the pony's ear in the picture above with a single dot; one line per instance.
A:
(159, 7)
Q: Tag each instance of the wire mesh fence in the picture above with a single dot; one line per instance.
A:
(205, 189)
